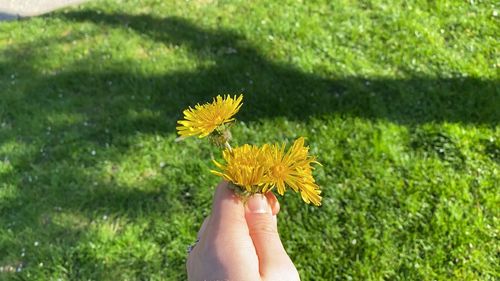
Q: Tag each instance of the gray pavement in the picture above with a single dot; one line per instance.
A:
(14, 9)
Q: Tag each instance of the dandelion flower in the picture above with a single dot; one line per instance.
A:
(204, 119)
(311, 193)
(292, 169)
(244, 167)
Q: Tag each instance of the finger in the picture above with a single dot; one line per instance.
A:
(273, 201)
(226, 238)
(227, 209)
(203, 227)
(273, 260)
(200, 236)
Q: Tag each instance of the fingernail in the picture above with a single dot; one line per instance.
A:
(257, 204)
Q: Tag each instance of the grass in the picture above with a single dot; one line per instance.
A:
(399, 100)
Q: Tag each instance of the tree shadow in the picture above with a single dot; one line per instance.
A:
(275, 89)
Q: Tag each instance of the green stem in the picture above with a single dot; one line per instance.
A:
(228, 146)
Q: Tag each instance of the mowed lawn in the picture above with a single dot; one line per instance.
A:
(400, 101)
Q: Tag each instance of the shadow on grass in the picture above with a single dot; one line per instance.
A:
(106, 101)
(271, 89)
(281, 90)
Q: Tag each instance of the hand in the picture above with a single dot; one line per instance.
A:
(240, 242)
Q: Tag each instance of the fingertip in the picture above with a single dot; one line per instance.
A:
(258, 204)
(224, 194)
(221, 191)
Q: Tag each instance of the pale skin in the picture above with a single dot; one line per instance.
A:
(240, 241)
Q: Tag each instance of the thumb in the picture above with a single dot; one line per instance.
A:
(274, 263)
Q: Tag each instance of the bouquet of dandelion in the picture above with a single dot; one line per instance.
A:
(251, 169)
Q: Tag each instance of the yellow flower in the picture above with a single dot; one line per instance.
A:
(204, 119)
(244, 167)
(260, 169)
(292, 169)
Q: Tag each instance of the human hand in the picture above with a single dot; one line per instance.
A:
(240, 242)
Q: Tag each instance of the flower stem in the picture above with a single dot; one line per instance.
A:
(228, 146)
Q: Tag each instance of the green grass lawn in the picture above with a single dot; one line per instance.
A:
(399, 101)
